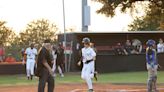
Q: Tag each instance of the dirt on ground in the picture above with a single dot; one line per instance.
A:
(82, 88)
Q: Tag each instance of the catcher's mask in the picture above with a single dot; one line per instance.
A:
(150, 43)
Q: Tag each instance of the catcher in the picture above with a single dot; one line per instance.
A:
(152, 66)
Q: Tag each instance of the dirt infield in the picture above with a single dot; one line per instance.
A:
(82, 88)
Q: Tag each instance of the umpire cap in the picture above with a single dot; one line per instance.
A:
(86, 40)
(150, 42)
(47, 41)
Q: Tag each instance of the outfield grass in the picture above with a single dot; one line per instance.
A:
(126, 77)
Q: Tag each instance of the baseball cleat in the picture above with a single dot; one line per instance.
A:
(62, 75)
(155, 90)
(28, 78)
(54, 75)
(90, 90)
(31, 77)
(95, 76)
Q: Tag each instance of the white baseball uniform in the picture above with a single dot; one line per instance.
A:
(160, 48)
(30, 63)
(88, 68)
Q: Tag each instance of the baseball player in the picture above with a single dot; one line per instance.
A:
(88, 57)
(152, 66)
(30, 53)
(54, 54)
(60, 60)
(92, 45)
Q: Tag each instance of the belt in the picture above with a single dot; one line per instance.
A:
(29, 58)
(88, 61)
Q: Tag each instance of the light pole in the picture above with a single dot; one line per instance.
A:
(65, 37)
(85, 16)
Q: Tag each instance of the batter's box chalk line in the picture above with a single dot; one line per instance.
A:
(115, 90)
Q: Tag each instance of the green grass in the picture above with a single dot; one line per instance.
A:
(126, 77)
(15, 80)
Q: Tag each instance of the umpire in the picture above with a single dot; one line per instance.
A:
(44, 68)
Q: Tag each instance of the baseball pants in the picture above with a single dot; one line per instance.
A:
(30, 67)
(152, 77)
(88, 73)
(46, 77)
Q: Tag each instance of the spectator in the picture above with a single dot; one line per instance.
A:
(137, 46)
(2, 53)
(10, 59)
(60, 60)
(127, 47)
(54, 54)
(92, 45)
(77, 46)
(23, 55)
(160, 46)
(119, 50)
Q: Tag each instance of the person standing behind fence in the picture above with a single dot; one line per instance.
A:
(54, 54)
(160, 46)
(30, 53)
(44, 67)
(23, 56)
(137, 46)
(120, 50)
(127, 47)
(152, 66)
(2, 53)
(60, 60)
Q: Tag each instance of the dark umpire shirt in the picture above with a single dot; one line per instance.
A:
(43, 54)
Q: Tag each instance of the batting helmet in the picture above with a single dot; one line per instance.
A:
(86, 40)
(150, 42)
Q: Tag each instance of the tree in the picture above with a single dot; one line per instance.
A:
(6, 34)
(154, 16)
(37, 31)
(109, 6)
(161, 26)
(71, 29)
(150, 22)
